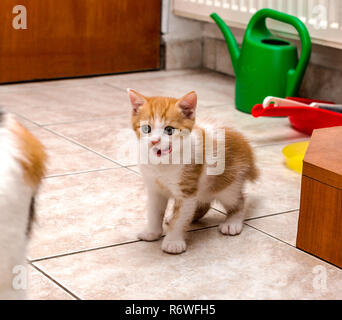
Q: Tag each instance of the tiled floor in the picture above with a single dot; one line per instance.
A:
(92, 202)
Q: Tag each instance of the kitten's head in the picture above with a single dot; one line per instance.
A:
(160, 120)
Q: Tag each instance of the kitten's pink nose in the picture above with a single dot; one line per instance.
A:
(155, 141)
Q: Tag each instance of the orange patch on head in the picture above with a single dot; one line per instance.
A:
(33, 157)
(177, 113)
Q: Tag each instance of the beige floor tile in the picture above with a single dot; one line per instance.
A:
(42, 288)
(65, 157)
(282, 226)
(108, 207)
(212, 88)
(249, 266)
(92, 209)
(112, 137)
(66, 103)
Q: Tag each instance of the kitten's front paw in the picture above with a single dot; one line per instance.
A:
(173, 246)
(231, 228)
(149, 236)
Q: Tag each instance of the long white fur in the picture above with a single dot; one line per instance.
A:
(15, 198)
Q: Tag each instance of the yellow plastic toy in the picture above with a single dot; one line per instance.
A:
(294, 154)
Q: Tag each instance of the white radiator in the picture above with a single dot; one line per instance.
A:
(323, 18)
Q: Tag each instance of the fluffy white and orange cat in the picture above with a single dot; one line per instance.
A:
(22, 166)
(178, 163)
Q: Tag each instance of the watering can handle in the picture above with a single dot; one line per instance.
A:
(294, 76)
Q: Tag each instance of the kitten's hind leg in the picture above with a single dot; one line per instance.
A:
(201, 210)
(236, 215)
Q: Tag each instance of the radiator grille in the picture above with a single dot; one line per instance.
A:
(323, 18)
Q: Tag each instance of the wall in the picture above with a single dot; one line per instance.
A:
(182, 40)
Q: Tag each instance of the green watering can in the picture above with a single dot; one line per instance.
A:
(266, 65)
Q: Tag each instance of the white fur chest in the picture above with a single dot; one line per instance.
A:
(164, 178)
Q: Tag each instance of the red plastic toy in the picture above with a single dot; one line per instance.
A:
(302, 118)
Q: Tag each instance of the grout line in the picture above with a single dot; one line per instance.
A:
(213, 106)
(264, 216)
(81, 145)
(289, 244)
(25, 118)
(48, 83)
(132, 165)
(191, 72)
(219, 211)
(89, 80)
(81, 172)
(55, 282)
(73, 121)
(97, 79)
(131, 170)
(83, 251)
(106, 247)
(200, 104)
(275, 238)
(204, 228)
(43, 125)
(193, 230)
(135, 241)
(271, 215)
(108, 84)
(281, 142)
(29, 87)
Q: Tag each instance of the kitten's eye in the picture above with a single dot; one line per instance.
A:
(145, 128)
(169, 130)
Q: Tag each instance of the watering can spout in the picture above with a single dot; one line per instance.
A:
(232, 45)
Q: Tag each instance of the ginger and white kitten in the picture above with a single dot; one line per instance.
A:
(161, 124)
(22, 166)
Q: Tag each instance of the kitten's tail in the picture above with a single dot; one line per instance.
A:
(253, 173)
(23, 158)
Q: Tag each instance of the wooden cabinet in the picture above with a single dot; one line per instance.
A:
(68, 38)
(320, 217)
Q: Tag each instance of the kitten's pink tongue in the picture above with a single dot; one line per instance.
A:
(168, 151)
(160, 152)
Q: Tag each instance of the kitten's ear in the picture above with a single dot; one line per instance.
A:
(137, 100)
(188, 104)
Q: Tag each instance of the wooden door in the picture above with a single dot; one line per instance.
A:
(69, 38)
